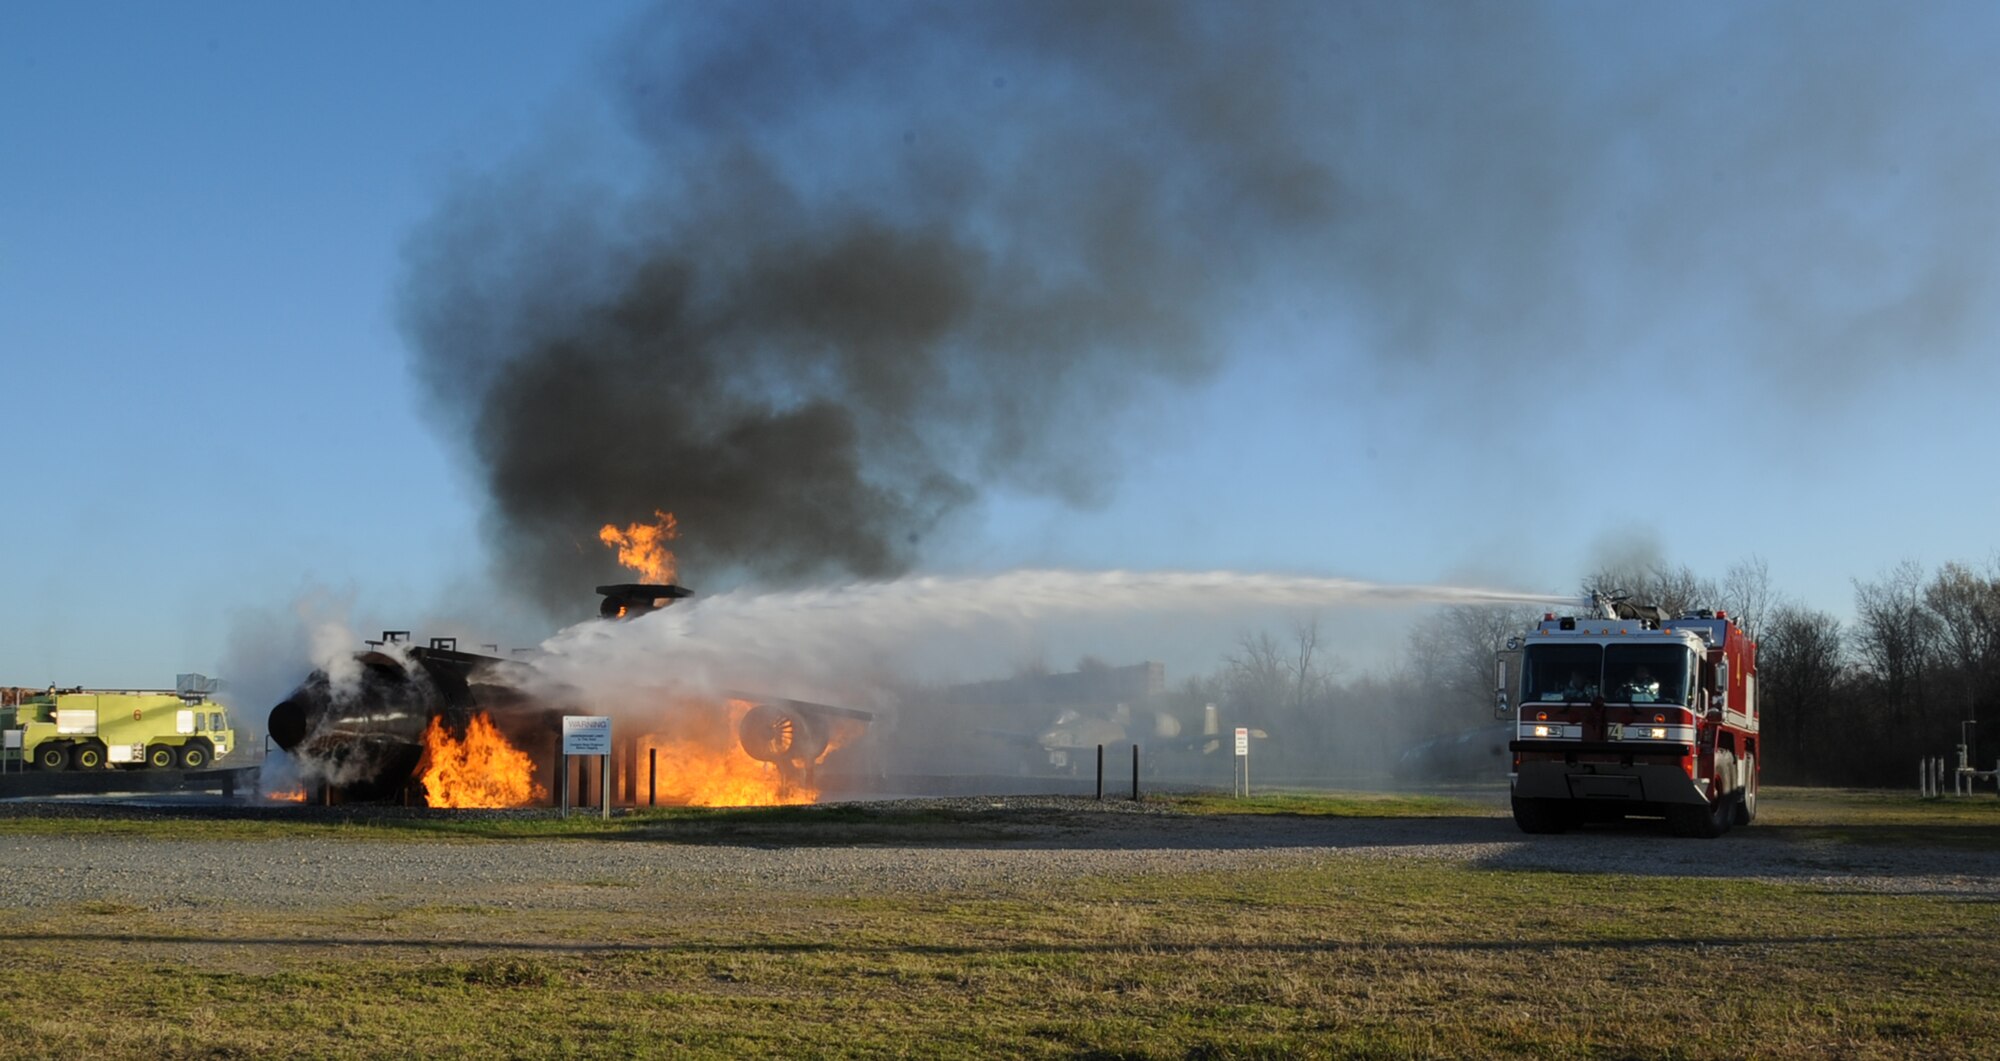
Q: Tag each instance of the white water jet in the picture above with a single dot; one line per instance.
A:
(827, 637)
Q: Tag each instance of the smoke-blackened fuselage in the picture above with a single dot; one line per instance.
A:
(360, 730)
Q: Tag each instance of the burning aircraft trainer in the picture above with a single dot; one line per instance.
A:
(433, 724)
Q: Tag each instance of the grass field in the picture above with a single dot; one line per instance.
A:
(1335, 957)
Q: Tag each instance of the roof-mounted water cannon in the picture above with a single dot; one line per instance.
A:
(1620, 608)
(1605, 603)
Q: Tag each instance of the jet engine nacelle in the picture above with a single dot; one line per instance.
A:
(775, 734)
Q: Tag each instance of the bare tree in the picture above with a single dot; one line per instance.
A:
(1257, 675)
(1966, 608)
(1285, 688)
(1450, 653)
(1310, 676)
(1800, 671)
(1746, 594)
(1895, 636)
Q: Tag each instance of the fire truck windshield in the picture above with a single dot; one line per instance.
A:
(1646, 674)
(1562, 673)
(1639, 674)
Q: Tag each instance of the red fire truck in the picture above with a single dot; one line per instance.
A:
(1632, 713)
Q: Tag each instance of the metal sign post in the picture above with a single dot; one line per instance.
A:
(1242, 761)
(589, 735)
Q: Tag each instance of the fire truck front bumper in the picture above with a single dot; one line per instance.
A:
(1622, 749)
(1608, 770)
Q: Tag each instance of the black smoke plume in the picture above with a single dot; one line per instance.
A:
(846, 266)
(883, 256)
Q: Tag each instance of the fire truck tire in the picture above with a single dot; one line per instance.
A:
(53, 755)
(1701, 821)
(160, 756)
(88, 755)
(1542, 815)
(195, 755)
(1746, 798)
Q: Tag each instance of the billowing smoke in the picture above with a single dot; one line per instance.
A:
(884, 256)
(845, 267)
(269, 648)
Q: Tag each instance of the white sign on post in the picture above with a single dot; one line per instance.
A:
(13, 740)
(1242, 760)
(586, 735)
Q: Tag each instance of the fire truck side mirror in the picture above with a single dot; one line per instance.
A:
(1721, 699)
(1500, 706)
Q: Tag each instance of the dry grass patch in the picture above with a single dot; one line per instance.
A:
(1881, 818)
(1347, 958)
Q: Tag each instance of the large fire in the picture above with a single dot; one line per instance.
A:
(718, 773)
(701, 764)
(696, 766)
(482, 770)
(693, 758)
(643, 546)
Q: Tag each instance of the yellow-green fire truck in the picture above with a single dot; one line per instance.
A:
(90, 729)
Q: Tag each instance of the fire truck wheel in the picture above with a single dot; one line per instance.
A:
(1746, 799)
(1541, 816)
(52, 756)
(89, 755)
(1704, 821)
(194, 755)
(160, 756)
(1721, 815)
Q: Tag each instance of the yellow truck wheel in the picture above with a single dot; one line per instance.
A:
(88, 756)
(52, 756)
(194, 755)
(160, 756)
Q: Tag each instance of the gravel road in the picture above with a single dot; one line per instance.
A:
(993, 845)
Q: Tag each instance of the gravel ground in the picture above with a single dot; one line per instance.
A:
(992, 845)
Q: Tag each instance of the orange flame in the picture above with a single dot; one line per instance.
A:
(483, 770)
(289, 795)
(718, 772)
(642, 546)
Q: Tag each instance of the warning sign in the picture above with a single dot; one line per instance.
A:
(586, 735)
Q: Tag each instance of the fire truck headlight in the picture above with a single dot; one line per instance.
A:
(1541, 731)
(1657, 733)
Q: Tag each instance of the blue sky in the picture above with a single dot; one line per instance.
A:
(198, 255)
(1788, 354)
